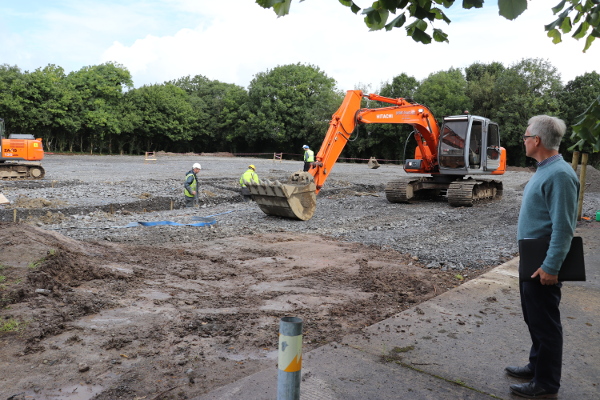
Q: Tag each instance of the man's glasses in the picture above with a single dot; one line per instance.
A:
(528, 136)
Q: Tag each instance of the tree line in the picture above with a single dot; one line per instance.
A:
(97, 110)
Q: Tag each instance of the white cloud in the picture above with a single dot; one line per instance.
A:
(161, 40)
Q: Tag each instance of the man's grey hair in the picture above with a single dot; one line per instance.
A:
(549, 129)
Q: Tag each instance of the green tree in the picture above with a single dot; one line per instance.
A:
(163, 119)
(574, 99)
(35, 102)
(52, 99)
(220, 111)
(444, 93)
(12, 106)
(99, 90)
(290, 105)
(481, 81)
(529, 87)
(577, 95)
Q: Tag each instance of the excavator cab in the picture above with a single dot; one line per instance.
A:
(469, 145)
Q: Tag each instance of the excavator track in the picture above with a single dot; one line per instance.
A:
(9, 171)
(405, 190)
(464, 193)
(296, 200)
(399, 191)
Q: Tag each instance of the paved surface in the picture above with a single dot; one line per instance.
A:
(454, 346)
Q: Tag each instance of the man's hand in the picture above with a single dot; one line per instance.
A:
(545, 278)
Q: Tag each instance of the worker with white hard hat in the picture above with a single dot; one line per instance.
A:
(309, 157)
(191, 185)
(248, 177)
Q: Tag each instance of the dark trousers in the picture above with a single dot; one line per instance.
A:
(189, 201)
(306, 166)
(246, 194)
(542, 316)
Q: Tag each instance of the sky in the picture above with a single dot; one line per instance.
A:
(233, 40)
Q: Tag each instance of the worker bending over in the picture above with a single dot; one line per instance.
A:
(249, 176)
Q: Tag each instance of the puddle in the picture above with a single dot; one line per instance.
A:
(76, 392)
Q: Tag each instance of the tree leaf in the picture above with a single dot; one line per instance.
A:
(390, 5)
(440, 36)
(511, 9)
(566, 26)
(396, 22)
(353, 7)
(588, 42)
(553, 25)
(468, 4)
(282, 8)
(581, 30)
(375, 19)
(420, 36)
(555, 35)
(559, 7)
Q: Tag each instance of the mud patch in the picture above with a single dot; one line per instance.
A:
(178, 321)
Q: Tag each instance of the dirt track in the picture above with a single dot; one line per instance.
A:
(169, 312)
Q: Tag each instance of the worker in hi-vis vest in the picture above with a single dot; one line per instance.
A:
(249, 176)
(191, 185)
(309, 157)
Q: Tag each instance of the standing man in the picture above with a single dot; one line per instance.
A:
(548, 209)
(249, 176)
(191, 185)
(309, 157)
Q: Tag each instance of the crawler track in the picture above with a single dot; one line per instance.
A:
(466, 192)
(10, 171)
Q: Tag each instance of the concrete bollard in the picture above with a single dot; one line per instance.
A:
(290, 359)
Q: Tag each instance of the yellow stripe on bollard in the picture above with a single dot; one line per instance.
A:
(290, 353)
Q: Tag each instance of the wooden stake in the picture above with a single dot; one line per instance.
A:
(584, 161)
(575, 160)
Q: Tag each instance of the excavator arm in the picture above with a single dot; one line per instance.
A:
(350, 114)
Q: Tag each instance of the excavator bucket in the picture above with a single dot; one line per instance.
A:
(373, 163)
(296, 199)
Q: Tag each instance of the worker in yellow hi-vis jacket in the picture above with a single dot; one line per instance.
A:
(249, 176)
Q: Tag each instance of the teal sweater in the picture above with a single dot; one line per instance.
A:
(549, 208)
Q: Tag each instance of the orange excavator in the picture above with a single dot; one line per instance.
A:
(16, 149)
(465, 146)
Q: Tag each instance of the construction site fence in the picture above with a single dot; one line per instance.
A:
(278, 157)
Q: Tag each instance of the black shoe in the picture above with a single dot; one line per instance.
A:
(520, 372)
(531, 391)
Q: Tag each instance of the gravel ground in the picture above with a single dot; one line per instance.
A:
(87, 197)
(95, 306)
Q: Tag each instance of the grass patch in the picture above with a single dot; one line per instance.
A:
(34, 265)
(12, 325)
(395, 354)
